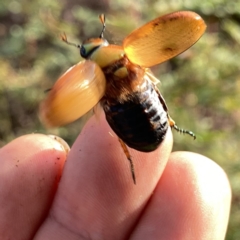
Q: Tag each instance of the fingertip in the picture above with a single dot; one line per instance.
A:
(31, 168)
(27, 144)
(209, 193)
(212, 181)
(193, 197)
(63, 144)
(35, 155)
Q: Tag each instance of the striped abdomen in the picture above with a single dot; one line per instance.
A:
(141, 121)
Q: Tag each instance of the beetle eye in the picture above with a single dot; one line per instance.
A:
(83, 52)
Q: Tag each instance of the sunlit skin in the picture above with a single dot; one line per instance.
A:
(133, 105)
(179, 195)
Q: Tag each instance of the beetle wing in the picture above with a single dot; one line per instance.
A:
(163, 38)
(77, 91)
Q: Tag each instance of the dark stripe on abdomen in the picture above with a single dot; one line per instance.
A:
(141, 122)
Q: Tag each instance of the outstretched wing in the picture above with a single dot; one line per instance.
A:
(163, 38)
(77, 91)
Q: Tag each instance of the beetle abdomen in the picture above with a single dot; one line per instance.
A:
(141, 122)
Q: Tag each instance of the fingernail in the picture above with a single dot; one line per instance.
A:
(62, 142)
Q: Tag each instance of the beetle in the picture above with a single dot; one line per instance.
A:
(119, 79)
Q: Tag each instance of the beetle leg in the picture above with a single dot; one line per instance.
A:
(125, 149)
(192, 134)
(171, 122)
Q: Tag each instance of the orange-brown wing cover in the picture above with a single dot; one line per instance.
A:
(77, 91)
(163, 38)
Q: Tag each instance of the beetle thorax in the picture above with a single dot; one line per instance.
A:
(123, 79)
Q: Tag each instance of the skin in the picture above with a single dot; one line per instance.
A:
(178, 195)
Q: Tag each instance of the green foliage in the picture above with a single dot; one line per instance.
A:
(201, 86)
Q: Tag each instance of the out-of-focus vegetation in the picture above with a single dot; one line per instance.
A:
(201, 86)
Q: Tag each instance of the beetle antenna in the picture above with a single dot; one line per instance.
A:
(64, 39)
(102, 20)
(180, 130)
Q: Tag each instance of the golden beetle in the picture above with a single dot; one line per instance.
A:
(119, 79)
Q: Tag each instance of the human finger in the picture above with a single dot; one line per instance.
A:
(191, 201)
(97, 197)
(31, 168)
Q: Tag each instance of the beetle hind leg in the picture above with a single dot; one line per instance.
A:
(126, 151)
(180, 130)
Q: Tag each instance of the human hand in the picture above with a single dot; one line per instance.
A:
(179, 195)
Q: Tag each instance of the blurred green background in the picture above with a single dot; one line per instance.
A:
(201, 86)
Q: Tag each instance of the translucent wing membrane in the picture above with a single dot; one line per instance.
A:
(74, 94)
(163, 38)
